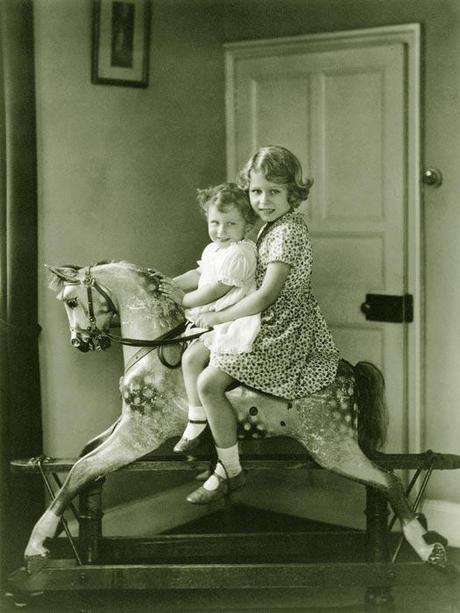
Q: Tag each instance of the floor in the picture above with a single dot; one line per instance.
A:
(422, 600)
(413, 599)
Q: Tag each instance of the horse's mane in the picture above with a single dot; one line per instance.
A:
(59, 276)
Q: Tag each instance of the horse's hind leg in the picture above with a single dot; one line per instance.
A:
(325, 430)
(129, 441)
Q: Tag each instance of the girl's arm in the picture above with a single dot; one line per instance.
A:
(258, 301)
(198, 296)
(205, 294)
(188, 280)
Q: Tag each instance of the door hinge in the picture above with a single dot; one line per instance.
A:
(396, 309)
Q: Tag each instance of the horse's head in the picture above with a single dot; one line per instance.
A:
(89, 306)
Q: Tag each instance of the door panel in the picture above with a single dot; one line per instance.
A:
(342, 110)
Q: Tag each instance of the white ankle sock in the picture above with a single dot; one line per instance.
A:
(230, 458)
(193, 430)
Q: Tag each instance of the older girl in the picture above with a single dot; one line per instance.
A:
(294, 353)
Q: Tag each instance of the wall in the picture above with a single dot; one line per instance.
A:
(117, 171)
(441, 140)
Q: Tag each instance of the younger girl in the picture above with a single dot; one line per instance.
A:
(294, 354)
(225, 274)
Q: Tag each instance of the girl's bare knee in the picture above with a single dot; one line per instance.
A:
(195, 357)
(205, 384)
(211, 383)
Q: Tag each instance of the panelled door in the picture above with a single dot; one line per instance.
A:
(346, 104)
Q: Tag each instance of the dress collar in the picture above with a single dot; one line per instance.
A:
(291, 214)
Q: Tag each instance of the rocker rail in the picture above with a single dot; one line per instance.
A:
(251, 460)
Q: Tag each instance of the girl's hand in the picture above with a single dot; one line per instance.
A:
(207, 320)
(170, 289)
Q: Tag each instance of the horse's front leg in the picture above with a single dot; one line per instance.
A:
(135, 436)
(99, 439)
(324, 427)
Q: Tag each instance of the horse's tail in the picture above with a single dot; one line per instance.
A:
(372, 413)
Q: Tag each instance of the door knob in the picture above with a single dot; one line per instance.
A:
(432, 176)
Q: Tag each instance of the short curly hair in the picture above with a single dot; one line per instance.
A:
(280, 166)
(224, 196)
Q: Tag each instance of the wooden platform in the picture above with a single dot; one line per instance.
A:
(235, 561)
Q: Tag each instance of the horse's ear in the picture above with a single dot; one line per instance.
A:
(58, 275)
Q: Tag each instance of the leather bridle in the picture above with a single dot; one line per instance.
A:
(101, 340)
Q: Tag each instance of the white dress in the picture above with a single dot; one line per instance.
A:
(234, 265)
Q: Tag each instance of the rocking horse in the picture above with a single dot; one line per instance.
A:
(334, 425)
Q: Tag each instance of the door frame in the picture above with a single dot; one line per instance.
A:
(410, 36)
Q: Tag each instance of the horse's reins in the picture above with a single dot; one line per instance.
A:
(171, 337)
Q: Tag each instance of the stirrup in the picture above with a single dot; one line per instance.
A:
(184, 445)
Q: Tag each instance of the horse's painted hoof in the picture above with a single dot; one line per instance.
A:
(438, 557)
(431, 537)
(35, 563)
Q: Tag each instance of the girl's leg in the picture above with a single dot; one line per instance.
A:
(228, 475)
(194, 360)
(212, 385)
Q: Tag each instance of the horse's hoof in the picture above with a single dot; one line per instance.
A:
(431, 537)
(35, 563)
(438, 557)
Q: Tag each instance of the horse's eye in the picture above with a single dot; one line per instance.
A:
(72, 303)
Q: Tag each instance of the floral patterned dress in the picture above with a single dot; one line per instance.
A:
(294, 354)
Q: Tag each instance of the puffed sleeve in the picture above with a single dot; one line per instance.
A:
(289, 243)
(208, 252)
(238, 264)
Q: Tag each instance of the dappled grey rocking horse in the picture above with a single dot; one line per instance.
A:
(334, 424)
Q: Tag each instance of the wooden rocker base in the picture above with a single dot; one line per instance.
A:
(235, 561)
(61, 575)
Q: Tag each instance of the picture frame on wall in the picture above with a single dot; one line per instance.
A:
(121, 42)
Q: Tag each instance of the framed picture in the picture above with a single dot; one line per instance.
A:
(121, 33)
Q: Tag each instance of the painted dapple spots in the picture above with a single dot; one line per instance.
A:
(140, 393)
